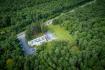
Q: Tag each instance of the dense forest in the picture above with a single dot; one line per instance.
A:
(85, 24)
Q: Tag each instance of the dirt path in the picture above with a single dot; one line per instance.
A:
(88, 3)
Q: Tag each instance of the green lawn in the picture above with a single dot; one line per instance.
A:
(61, 33)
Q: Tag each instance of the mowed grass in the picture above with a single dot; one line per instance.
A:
(61, 33)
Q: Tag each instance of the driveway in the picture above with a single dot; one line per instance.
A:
(23, 42)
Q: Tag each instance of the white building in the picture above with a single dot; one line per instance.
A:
(40, 40)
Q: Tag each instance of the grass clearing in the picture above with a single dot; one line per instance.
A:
(61, 33)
